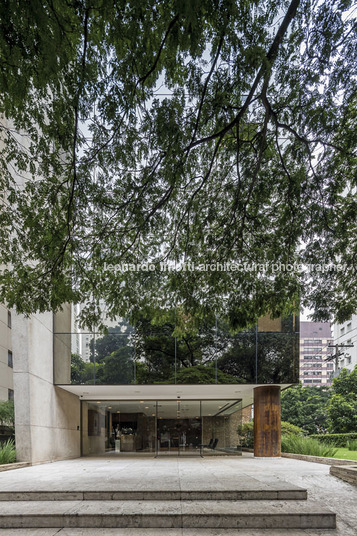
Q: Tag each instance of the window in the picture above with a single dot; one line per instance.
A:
(349, 326)
(313, 341)
(10, 394)
(307, 381)
(8, 319)
(9, 358)
(342, 331)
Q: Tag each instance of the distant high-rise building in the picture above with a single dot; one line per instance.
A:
(346, 333)
(315, 338)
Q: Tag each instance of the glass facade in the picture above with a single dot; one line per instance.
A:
(161, 427)
(147, 354)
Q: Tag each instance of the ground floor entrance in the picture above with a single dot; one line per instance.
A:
(161, 427)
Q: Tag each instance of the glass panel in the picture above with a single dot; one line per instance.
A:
(178, 428)
(118, 428)
(147, 354)
(220, 422)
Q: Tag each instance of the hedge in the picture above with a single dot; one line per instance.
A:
(337, 440)
(246, 432)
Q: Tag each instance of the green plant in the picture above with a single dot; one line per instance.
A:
(306, 445)
(352, 444)
(337, 440)
(7, 452)
(7, 413)
(246, 432)
(291, 429)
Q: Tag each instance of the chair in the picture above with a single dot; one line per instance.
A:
(209, 446)
(214, 444)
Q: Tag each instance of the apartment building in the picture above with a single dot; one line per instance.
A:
(315, 338)
(346, 334)
(6, 357)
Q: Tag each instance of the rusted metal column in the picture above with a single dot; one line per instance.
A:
(267, 421)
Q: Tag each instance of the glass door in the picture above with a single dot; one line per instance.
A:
(179, 429)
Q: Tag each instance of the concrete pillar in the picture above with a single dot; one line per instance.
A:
(47, 418)
(267, 421)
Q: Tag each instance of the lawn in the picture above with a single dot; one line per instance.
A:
(346, 454)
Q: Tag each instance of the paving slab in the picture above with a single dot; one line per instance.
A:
(175, 514)
(221, 473)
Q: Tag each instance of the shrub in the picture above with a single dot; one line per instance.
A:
(337, 440)
(291, 429)
(246, 432)
(7, 413)
(306, 445)
(7, 452)
(352, 444)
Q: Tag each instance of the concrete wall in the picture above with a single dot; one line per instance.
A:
(47, 419)
(62, 346)
(93, 444)
(6, 372)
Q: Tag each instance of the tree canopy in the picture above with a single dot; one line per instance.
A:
(342, 409)
(190, 131)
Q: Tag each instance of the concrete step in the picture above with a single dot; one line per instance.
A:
(169, 514)
(289, 493)
(169, 532)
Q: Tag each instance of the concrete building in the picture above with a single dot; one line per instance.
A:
(346, 333)
(315, 338)
(6, 355)
(58, 418)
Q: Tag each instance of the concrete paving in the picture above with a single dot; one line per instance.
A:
(246, 472)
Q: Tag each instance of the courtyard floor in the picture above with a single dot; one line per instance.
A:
(133, 473)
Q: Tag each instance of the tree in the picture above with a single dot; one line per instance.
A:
(251, 154)
(116, 338)
(7, 413)
(306, 407)
(342, 409)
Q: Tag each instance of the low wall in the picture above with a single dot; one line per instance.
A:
(16, 465)
(318, 459)
(315, 459)
(346, 473)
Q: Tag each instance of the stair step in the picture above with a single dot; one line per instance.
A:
(158, 495)
(169, 514)
(165, 532)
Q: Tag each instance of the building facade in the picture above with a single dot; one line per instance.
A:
(60, 414)
(346, 334)
(6, 355)
(315, 338)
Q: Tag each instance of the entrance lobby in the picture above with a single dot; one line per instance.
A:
(161, 427)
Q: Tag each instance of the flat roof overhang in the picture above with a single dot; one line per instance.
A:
(244, 392)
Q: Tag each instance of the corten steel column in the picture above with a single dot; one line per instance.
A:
(267, 421)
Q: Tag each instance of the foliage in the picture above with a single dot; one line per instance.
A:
(342, 409)
(306, 407)
(337, 440)
(246, 432)
(84, 372)
(213, 132)
(7, 452)
(201, 374)
(117, 337)
(306, 445)
(352, 444)
(7, 413)
(290, 429)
